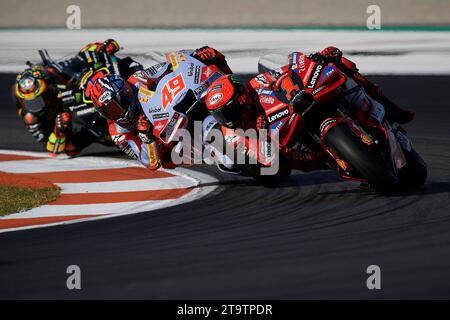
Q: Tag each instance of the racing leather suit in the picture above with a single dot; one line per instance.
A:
(254, 116)
(52, 127)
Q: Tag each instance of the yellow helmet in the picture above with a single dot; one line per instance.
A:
(35, 90)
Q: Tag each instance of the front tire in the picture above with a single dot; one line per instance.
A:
(268, 181)
(351, 149)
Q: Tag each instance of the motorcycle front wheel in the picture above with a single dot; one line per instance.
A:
(342, 141)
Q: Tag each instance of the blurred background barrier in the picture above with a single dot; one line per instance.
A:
(220, 13)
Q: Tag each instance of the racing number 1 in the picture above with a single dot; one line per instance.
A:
(289, 87)
(172, 88)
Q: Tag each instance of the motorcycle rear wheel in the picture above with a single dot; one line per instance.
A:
(414, 174)
(350, 148)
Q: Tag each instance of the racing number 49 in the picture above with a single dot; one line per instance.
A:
(172, 88)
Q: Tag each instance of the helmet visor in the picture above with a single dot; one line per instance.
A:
(113, 110)
(35, 105)
(228, 115)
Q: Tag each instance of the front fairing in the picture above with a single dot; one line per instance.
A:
(186, 84)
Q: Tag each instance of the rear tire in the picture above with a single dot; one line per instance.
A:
(347, 146)
(414, 174)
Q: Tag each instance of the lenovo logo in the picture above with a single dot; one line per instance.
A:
(316, 73)
(279, 115)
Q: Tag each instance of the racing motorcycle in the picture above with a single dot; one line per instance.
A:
(316, 106)
(76, 78)
(178, 101)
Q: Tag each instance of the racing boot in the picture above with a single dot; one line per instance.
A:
(306, 160)
(71, 150)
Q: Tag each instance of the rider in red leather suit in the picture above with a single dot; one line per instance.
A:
(242, 109)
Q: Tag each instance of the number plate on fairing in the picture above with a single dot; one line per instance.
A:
(188, 74)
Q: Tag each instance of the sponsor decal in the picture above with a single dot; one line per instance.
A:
(261, 79)
(190, 70)
(217, 87)
(326, 124)
(173, 61)
(319, 89)
(215, 98)
(267, 92)
(366, 139)
(274, 74)
(278, 115)
(151, 71)
(315, 74)
(293, 60)
(206, 73)
(266, 99)
(144, 94)
(266, 149)
(125, 147)
(152, 156)
(143, 99)
(276, 126)
(105, 97)
(26, 83)
(342, 164)
(160, 116)
(181, 56)
(159, 126)
(86, 111)
(197, 74)
(301, 62)
(154, 109)
(201, 89)
(326, 72)
(171, 125)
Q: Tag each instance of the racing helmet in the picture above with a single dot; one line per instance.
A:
(111, 46)
(113, 99)
(35, 90)
(226, 100)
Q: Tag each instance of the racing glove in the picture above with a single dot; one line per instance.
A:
(92, 53)
(211, 56)
(332, 54)
(62, 123)
(57, 141)
(34, 127)
(327, 55)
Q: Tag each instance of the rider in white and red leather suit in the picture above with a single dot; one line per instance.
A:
(240, 108)
(116, 100)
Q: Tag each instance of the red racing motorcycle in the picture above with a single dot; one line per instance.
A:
(315, 106)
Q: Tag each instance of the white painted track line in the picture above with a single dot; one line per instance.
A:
(131, 185)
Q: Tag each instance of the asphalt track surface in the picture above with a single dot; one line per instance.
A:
(313, 237)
